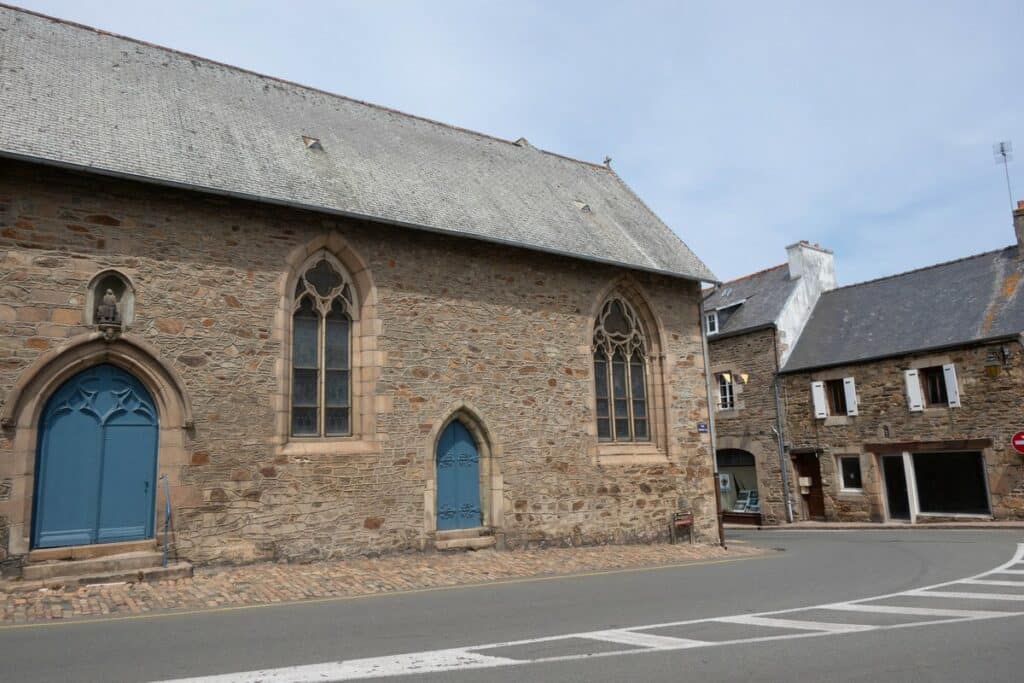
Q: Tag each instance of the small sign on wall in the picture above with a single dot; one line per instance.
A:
(1017, 441)
(702, 427)
(724, 482)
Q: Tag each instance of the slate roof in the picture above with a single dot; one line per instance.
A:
(763, 294)
(82, 98)
(959, 302)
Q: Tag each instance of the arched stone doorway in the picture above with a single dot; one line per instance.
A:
(463, 436)
(23, 415)
(96, 463)
(737, 481)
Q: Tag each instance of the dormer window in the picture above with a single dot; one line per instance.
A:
(711, 322)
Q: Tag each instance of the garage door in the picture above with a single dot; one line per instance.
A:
(951, 483)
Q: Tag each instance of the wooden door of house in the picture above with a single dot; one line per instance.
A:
(96, 461)
(807, 467)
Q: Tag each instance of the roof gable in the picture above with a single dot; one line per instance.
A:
(948, 304)
(81, 98)
(758, 299)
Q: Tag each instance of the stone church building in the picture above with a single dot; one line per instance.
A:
(324, 327)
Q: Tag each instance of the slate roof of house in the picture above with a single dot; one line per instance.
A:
(763, 294)
(948, 304)
(82, 98)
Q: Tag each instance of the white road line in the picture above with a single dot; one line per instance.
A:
(470, 657)
(915, 611)
(965, 595)
(1007, 571)
(648, 640)
(372, 667)
(993, 582)
(795, 624)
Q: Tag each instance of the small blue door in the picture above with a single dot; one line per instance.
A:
(96, 461)
(458, 479)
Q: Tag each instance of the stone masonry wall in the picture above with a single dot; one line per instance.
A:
(991, 409)
(749, 426)
(504, 330)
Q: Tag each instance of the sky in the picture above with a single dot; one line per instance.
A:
(866, 127)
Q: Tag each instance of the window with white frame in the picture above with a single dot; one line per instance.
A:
(726, 391)
(850, 477)
(321, 379)
(711, 322)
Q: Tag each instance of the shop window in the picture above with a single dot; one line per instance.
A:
(951, 483)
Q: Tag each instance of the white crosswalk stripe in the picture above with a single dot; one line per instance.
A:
(645, 639)
(993, 582)
(638, 640)
(794, 624)
(966, 595)
(914, 611)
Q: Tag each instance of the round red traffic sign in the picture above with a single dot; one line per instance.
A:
(1017, 441)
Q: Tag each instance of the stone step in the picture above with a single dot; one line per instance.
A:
(452, 534)
(85, 552)
(476, 543)
(174, 570)
(123, 562)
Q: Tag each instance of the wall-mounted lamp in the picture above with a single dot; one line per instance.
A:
(744, 377)
(994, 363)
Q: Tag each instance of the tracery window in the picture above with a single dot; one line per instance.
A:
(620, 376)
(321, 353)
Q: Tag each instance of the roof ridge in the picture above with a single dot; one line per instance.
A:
(754, 274)
(381, 107)
(918, 270)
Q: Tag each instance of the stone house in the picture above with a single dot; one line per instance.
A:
(902, 394)
(326, 328)
(752, 324)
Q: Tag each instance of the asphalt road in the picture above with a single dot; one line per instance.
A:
(812, 568)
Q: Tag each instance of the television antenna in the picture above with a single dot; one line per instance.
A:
(1003, 154)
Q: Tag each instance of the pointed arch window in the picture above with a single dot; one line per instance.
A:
(620, 374)
(321, 387)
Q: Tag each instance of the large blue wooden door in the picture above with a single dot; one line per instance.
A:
(96, 461)
(458, 479)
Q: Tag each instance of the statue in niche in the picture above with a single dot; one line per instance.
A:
(108, 314)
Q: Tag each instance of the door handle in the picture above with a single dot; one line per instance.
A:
(145, 487)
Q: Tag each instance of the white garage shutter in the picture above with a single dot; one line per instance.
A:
(914, 400)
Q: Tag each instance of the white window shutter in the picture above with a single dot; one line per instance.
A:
(850, 389)
(914, 399)
(818, 395)
(952, 389)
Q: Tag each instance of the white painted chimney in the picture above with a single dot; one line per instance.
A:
(812, 259)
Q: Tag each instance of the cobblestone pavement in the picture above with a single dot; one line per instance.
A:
(274, 583)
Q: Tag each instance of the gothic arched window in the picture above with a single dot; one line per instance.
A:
(620, 376)
(321, 356)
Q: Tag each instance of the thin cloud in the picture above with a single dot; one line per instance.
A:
(866, 127)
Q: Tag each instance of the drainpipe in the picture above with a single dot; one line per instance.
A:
(780, 437)
(711, 422)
